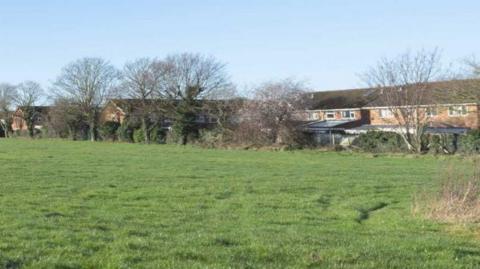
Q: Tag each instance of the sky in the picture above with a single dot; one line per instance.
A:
(326, 43)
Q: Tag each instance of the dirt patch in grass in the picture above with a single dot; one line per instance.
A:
(364, 213)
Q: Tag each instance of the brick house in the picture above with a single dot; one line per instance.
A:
(332, 113)
(356, 111)
(40, 118)
(118, 110)
(448, 108)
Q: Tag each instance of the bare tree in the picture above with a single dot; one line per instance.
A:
(273, 108)
(471, 85)
(7, 99)
(402, 84)
(141, 81)
(88, 82)
(190, 79)
(67, 120)
(28, 95)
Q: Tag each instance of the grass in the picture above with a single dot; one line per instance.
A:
(101, 205)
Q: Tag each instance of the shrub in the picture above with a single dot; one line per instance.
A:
(440, 143)
(158, 135)
(213, 138)
(470, 143)
(108, 130)
(138, 136)
(458, 198)
(375, 141)
(184, 127)
(125, 133)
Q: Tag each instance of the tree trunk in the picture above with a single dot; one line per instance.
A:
(146, 133)
(5, 130)
(92, 128)
(455, 143)
(407, 140)
(71, 133)
(274, 135)
(184, 139)
(31, 129)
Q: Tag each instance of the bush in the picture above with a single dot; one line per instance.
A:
(108, 130)
(375, 141)
(470, 143)
(458, 198)
(138, 136)
(125, 133)
(440, 143)
(211, 138)
(158, 135)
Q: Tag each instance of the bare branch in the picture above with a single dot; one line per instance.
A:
(89, 82)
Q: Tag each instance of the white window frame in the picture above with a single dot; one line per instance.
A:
(387, 115)
(351, 114)
(313, 116)
(327, 113)
(429, 110)
(457, 111)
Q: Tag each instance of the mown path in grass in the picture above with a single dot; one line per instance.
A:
(101, 205)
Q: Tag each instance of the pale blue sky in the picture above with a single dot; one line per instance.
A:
(326, 42)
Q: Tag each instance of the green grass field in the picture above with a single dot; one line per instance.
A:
(102, 205)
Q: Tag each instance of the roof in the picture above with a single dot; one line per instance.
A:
(392, 128)
(128, 104)
(38, 109)
(327, 125)
(339, 99)
(4, 115)
(441, 92)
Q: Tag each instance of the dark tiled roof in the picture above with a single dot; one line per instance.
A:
(341, 98)
(4, 115)
(129, 104)
(442, 92)
(39, 109)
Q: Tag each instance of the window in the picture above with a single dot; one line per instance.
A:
(385, 113)
(348, 114)
(313, 116)
(330, 115)
(455, 111)
(431, 112)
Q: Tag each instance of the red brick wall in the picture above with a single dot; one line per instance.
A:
(18, 123)
(111, 113)
(471, 120)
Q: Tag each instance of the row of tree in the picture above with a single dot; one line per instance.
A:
(177, 87)
(181, 86)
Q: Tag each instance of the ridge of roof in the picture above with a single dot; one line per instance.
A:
(369, 97)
